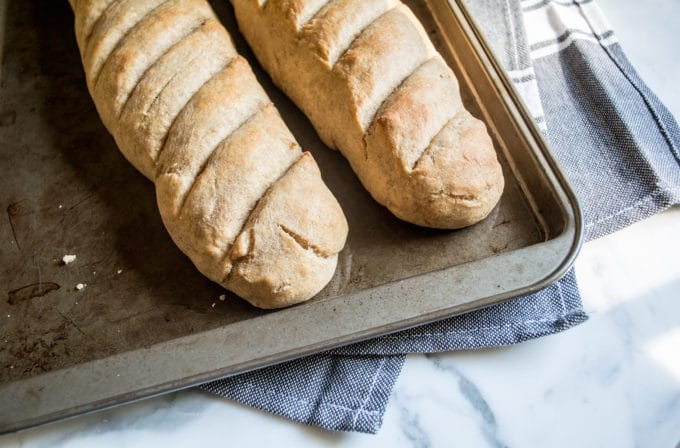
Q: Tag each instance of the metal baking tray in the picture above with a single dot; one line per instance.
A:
(147, 322)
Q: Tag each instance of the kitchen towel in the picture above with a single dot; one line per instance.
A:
(619, 148)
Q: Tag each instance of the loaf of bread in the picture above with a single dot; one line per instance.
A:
(374, 87)
(234, 189)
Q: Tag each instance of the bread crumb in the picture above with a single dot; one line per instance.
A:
(68, 259)
(223, 297)
(80, 286)
(213, 305)
(60, 206)
(119, 271)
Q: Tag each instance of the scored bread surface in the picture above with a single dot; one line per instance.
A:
(234, 189)
(374, 87)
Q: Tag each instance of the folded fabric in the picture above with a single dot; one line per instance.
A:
(615, 141)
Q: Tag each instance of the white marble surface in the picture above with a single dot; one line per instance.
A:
(648, 32)
(613, 381)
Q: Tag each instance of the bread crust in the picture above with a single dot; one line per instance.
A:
(234, 189)
(374, 87)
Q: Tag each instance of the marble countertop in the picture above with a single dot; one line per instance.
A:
(613, 381)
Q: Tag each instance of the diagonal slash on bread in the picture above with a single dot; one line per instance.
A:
(234, 189)
(374, 87)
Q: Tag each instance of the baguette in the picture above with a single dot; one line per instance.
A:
(374, 87)
(235, 191)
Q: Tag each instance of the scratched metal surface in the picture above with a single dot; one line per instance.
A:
(65, 189)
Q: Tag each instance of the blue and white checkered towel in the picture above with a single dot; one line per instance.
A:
(619, 148)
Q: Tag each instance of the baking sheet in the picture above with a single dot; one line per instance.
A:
(146, 320)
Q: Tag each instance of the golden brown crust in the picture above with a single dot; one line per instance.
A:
(373, 86)
(166, 88)
(331, 32)
(188, 112)
(274, 234)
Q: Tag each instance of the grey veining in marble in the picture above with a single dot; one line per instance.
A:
(474, 396)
